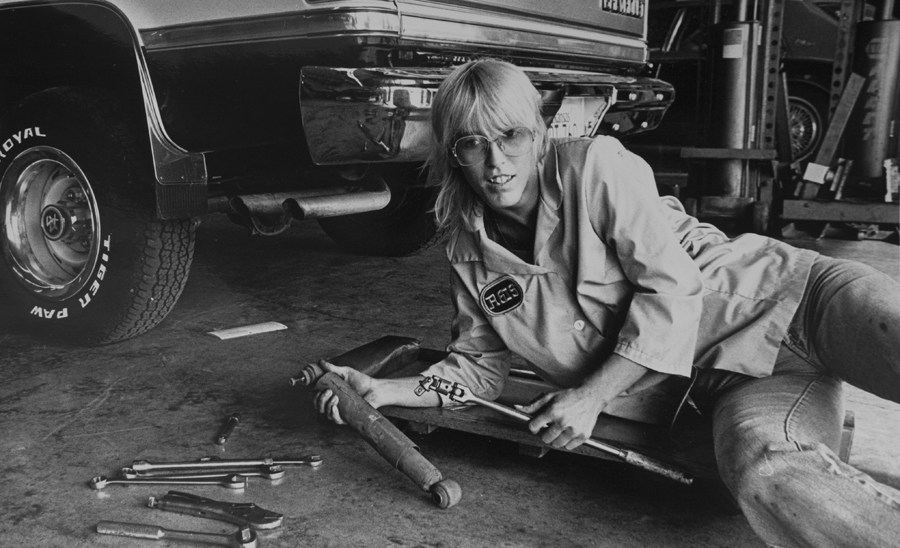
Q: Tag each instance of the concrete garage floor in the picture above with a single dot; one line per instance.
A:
(68, 414)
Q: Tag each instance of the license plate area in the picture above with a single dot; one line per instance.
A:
(578, 116)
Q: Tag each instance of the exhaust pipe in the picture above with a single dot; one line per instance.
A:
(271, 213)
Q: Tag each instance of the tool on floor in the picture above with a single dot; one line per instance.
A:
(228, 428)
(141, 466)
(240, 513)
(461, 394)
(388, 440)
(244, 538)
(267, 472)
(231, 482)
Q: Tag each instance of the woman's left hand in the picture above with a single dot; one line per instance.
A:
(567, 417)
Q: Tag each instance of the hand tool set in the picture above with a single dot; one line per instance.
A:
(248, 516)
(230, 473)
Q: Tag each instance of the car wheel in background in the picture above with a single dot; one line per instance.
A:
(807, 115)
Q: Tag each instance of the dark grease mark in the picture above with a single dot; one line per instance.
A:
(22, 513)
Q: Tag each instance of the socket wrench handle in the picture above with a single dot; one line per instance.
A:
(459, 393)
(524, 417)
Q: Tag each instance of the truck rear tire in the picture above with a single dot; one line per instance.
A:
(83, 257)
(405, 227)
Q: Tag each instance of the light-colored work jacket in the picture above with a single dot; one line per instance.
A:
(617, 269)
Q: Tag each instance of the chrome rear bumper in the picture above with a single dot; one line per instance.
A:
(382, 114)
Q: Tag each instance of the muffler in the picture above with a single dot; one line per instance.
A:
(271, 213)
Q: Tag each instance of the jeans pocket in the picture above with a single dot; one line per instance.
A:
(817, 413)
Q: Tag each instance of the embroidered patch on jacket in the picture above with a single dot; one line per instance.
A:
(501, 296)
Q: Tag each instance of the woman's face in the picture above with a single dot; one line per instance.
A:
(504, 181)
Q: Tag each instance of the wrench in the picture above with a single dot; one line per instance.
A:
(268, 472)
(141, 466)
(244, 538)
(461, 394)
(231, 482)
(241, 513)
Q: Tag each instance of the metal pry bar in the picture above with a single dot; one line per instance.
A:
(240, 513)
(461, 394)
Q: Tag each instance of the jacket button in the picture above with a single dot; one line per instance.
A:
(579, 325)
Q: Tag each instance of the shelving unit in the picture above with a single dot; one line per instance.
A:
(748, 173)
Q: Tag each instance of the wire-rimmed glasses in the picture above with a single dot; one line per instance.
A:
(473, 149)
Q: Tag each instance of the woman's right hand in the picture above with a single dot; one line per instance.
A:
(326, 401)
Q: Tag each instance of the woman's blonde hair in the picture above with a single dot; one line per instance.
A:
(484, 97)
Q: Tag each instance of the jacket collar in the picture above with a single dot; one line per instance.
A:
(551, 200)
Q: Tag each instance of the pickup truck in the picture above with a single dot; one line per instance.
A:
(123, 122)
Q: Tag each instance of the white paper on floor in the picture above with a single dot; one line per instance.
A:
(243, 331)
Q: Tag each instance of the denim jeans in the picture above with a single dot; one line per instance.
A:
(776, 437)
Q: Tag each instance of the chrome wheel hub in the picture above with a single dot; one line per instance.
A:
(51, 223)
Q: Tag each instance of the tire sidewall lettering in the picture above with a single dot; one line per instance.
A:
(87, 296)
(10, 142)
(11, 145)
(122, 291)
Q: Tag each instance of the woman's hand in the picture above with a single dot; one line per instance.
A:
(567, 417)
(326, 401)
(570, 415)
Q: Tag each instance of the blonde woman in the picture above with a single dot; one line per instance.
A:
(563, 253)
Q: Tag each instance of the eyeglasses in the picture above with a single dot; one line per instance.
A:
(473, 149)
